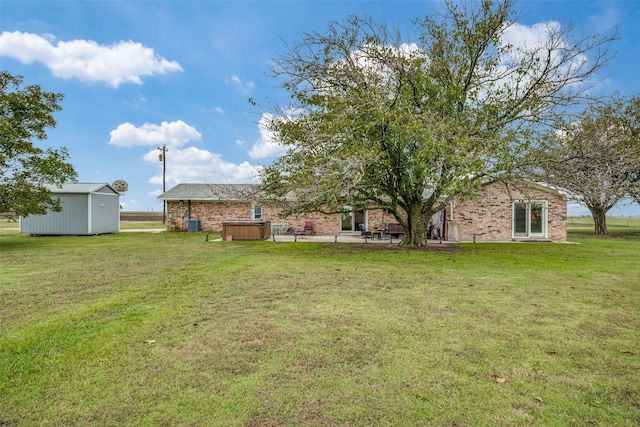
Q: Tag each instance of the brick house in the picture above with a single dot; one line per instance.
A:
(500, 213)
(531, 211)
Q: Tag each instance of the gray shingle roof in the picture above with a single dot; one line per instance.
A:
(222, 192)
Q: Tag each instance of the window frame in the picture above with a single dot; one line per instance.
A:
(528, 215)
(254, 208)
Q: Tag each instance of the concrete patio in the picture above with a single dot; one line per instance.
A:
(339, 238)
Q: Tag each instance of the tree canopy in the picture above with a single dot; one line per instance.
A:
(596, 156)
(408, 126)
(25, 168)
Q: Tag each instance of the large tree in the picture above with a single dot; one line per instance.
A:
(409, 126)
(596, 156)
(25, 168)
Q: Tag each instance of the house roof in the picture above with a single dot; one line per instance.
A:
(209, 192)
(546, 187)
(247, 192)
(80, 187)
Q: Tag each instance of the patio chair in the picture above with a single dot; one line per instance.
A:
(364, 232)
(308, 228)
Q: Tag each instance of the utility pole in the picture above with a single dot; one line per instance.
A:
(163, 158)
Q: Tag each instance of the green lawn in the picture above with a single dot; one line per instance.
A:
(12, 227)
(168, 329)
(141, 225)
(615, 225)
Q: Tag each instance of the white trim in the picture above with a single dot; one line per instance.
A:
(528, 215)
(348, 210)
(89, 213)
(253, 211)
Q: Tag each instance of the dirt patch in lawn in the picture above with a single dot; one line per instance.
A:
(372, 247)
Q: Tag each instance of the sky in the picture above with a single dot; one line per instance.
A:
(138, 75)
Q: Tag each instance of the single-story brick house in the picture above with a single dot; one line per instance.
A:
(531, 212)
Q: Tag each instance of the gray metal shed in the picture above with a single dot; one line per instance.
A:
(87, 209)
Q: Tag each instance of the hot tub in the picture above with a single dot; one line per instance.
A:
(246, 230)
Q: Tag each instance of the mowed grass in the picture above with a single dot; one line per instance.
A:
(141, 225)
(615, 225)
(168, 329)
(13, 227)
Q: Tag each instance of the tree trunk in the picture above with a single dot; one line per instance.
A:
(416, 229)
(599, 220)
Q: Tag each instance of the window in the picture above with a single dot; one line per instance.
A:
(351, 220)
(529, 219)
(257, 212)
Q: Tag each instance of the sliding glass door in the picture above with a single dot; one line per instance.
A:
(351, 220)
(529, 219)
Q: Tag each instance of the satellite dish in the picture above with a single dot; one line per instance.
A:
(120, 185)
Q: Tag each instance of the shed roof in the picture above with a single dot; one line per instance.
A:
(222, 192)
(80, 187)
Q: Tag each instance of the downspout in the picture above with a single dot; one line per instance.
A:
(453, 226)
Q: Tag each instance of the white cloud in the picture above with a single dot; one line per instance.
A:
(183, 164)
(219, 110)
(195, 165)
(522, 36)
(127, 205)
(244, 86)
(607, 18)
(267, 145)
(524, 60)
(172, 134)
(86, 60)
(526, 39)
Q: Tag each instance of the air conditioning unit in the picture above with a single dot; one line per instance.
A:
(193, 226)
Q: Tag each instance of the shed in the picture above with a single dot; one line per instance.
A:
(87, 209)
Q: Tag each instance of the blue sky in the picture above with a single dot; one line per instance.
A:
(140, 74)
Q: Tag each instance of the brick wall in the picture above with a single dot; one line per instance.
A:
(322, 224)
(213, 214)
(490, 217)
